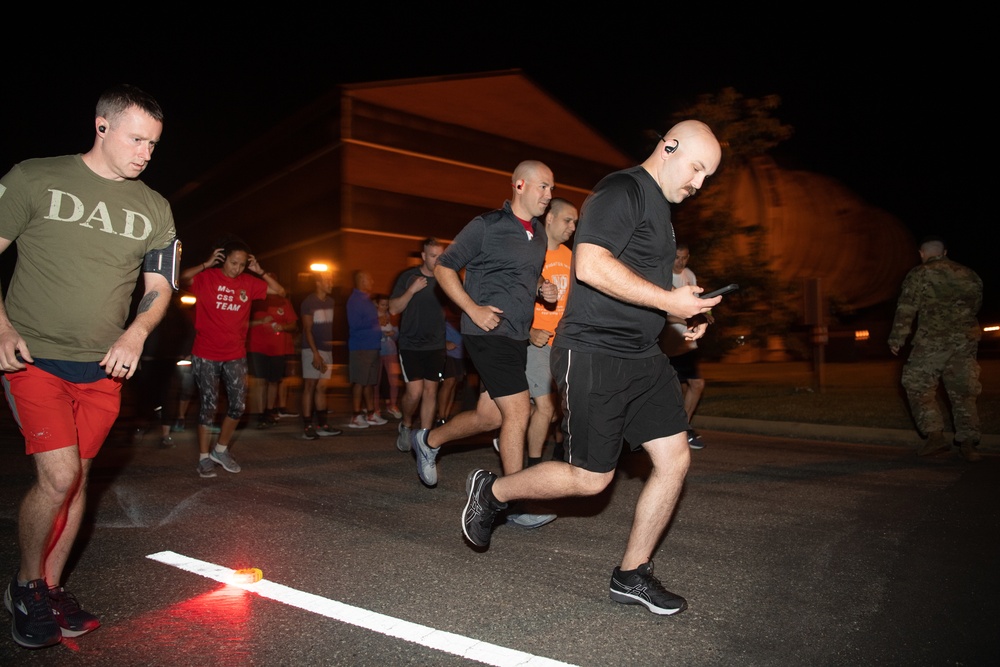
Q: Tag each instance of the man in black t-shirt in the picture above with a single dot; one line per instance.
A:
(615, 382)
(421, 340)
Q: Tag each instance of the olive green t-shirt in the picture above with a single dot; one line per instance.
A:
(80, 242)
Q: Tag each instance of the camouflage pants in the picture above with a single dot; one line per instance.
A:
(955, 367)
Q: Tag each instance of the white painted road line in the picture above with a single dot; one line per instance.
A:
(447, 642)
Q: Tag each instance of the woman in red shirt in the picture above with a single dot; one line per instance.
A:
(222, 316)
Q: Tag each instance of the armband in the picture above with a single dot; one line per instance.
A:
(166, 262)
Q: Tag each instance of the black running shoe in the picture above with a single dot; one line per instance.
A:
(73, 621)
(477, 518)
(694, 440)
(639, 586)
(33, 625)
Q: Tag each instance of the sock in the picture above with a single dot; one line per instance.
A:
(307, 421)
(532, 460)
(219, 447)
(488, 492)
(202, 457)
(321, 417)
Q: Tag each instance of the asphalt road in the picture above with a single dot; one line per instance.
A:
(790, 551)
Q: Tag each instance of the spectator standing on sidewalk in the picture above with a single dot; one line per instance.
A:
(944, 297)
(364, 345)
(389, 359)
(272, 321)
(616, 384)
(316, 316)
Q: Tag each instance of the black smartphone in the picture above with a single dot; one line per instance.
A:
(722, 290)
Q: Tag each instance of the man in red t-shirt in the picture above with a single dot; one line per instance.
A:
(272, 321)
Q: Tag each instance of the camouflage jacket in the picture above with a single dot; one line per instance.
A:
(945, 298)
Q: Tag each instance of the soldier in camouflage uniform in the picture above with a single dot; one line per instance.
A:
(945, 297)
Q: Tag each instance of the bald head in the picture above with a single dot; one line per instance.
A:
(532, 184)
(686, 155)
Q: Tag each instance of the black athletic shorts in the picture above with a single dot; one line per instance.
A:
(500, 362)
(607, 400)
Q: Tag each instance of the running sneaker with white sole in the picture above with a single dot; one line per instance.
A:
(529, 520)
(72, 619)
(206, 468)
(426, 455)
(359, 421)
(309, 433)
(694, 440)
(479, 512)
(326, 430)
(403, 439)
(224, 459)
(33, 624)
(375, 419)
(395, 413)
(639, 586)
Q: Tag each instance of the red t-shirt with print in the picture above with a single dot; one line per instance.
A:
(222, 313)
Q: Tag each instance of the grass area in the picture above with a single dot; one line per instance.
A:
(862, 394)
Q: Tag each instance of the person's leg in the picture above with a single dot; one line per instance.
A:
(319, 395)
(515, 411)
(670, 457)
(392, 376)
(371, 375)
(963, 386)
(234, 374)
(920, 378)
(64, 425)
(540, 389)
(271, 406)
(486, 417)
(283, 395)
(550, 480)
(50, 513)
(226, 432)
(539, 424)
(413, 392)
(308, 398)
(206, 375)
(377, 387)
(428, 403)
(357, 398)
(444, 398)
(694, 389)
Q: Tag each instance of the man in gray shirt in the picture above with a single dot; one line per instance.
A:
(502, 253)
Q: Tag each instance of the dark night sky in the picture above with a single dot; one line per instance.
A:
(888, 110)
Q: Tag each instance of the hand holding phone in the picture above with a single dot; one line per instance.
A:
(719, 292)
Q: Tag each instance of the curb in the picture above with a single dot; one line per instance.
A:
(879, 436)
